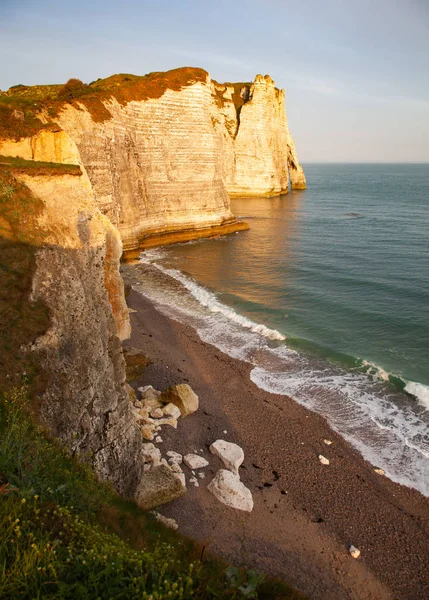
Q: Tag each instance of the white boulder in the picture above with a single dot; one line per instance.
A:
(193, 461)
(230, 454)
(323, 460)
(174, 457)
(229, 490)
(355, 552)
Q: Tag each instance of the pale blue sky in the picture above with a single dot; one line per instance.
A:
(356, 72)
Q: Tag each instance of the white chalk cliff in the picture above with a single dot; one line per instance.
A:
(166, 161)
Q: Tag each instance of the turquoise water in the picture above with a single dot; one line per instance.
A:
(341, 271)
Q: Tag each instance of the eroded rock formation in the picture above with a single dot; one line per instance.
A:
(76, 251)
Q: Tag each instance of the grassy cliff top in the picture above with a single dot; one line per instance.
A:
(34, 167)
(21, 105)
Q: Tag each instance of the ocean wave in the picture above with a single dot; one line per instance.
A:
(209, 300)
(419, 391)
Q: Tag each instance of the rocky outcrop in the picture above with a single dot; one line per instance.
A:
(261, 154)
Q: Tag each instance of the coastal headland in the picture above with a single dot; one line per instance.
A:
(92, 173)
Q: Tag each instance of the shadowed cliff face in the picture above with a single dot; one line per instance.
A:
(66, 315)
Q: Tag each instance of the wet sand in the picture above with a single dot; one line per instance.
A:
(306, 515)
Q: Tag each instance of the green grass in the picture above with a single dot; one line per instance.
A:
(34, 167)
(65, 535)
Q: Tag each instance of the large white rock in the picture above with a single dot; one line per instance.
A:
(228, 488)
(230, 454)
(193, 461)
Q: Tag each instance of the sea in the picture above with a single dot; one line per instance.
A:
(327, 298)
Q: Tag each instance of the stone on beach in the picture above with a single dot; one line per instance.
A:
(158, 486)
(229, 490)
(355, 552)
(183, 397)
(230, 454)
(193, 461)
(323, 460)
(151, 454)
(379, 471)
(157, 413)
(327, 442)
(174, 457)
(171, 410)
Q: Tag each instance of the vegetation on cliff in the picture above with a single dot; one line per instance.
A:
(22, 107)
(65, 535)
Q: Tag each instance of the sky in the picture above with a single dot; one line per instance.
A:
(356, 72)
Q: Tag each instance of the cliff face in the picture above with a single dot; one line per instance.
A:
(261, 153)
(76, 253)
(163, 152)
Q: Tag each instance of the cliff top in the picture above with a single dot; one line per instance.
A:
(33, 167)
(21, 106)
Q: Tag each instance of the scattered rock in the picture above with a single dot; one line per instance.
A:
(229, 490)
(201, 475)
(355, 552)
(147, 432)
(174, 457)
(149, 393)
(183, 397)
(158, 486)
(158, 439)
(194, 481)
(379, 471)
(132, 310)
(230, 454)
(171, 523)
(157, 413)
(151, 454)
(171, 410)
(150, 398)
(323, 460)
(327, 442)
(224, 432)
(193, 461)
